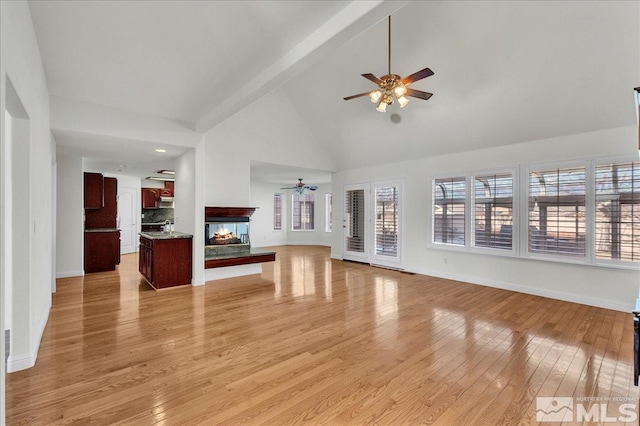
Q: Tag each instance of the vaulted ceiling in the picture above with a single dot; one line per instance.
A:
(505, 72)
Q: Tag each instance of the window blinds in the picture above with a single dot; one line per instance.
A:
(386, 221)
(302, 212)
(557, 211)
(277, 212)
(617, 213)
(354, 220)
(493, 212)
(449, 210)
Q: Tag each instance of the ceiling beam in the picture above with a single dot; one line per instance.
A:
(351, 21)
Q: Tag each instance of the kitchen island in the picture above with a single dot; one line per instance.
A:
(165, 258)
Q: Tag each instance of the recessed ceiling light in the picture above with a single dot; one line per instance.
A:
(166, 172)
(161, 150)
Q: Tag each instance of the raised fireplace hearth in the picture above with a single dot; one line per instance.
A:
(227, 240)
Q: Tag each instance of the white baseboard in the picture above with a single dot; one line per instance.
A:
(20, 362)
(552, 294)
(17, 362)
(68, 274)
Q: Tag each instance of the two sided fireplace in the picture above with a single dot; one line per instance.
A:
(226, 235)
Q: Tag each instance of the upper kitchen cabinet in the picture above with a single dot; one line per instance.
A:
(93, 191)
(106, 217)
(167, 191)
(150, 198)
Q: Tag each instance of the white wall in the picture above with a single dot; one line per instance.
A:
(70, 211)
(598, 286)
(7, 211)
(91, 119)
(70, 215)
(270, 130)
(189, 205)
(20, 62)
(262, 233)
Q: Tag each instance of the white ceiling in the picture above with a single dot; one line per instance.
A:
(505, 72)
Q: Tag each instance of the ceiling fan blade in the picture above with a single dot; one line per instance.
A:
(290, 187)
(418, 94)
(356, 96)
(417, 76)
(373, 78)
(312, 187)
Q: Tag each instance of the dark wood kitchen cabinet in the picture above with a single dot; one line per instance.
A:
(150, 197)
(93, 191)
(165, 262)
(101, 250)
(105, 217)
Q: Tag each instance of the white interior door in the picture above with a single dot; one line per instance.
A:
(127, 219)
(356, 223)
(387, 229)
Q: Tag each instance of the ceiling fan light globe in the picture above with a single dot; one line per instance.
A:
(400, 90)
(403, 101)
(382, 106)
(375, 96)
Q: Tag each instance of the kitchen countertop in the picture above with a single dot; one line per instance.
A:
(102, 230)
(155, 223)
(164, 235)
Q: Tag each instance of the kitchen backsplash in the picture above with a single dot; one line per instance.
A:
(157, 215)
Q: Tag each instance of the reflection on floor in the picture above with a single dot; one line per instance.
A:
(318, 341)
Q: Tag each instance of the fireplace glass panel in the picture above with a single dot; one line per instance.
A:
(226, 233)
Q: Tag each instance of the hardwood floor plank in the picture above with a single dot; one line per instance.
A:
(318, 341)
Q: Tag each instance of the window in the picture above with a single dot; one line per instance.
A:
(277, 212)
(386, 221)
(354, 220)
(557, 211)
(328, 220)
(449, 197)
(493, 211)
(617, 212)
(302, 212)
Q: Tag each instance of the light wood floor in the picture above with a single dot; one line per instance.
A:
(316, 341)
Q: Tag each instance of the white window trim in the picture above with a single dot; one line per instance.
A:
(434, 244)
(515, 230)
(396, 261)
(521, 213)
(283, 209)
(524, 210)
(328, 212)
(609, 263)
(314, 216)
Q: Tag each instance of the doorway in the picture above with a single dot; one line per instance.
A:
(127, 219)
(372, 223)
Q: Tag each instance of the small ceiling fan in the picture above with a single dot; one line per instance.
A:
(393, 84)
(301, 188)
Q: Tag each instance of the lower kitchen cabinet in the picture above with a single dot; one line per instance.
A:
(101, 250)
(165, 262)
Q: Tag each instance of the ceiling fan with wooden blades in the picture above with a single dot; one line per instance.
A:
(392, 85)
(301, 188)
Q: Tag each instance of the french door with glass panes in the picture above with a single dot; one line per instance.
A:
(387, 221)
(372, 223)
(355, 223)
